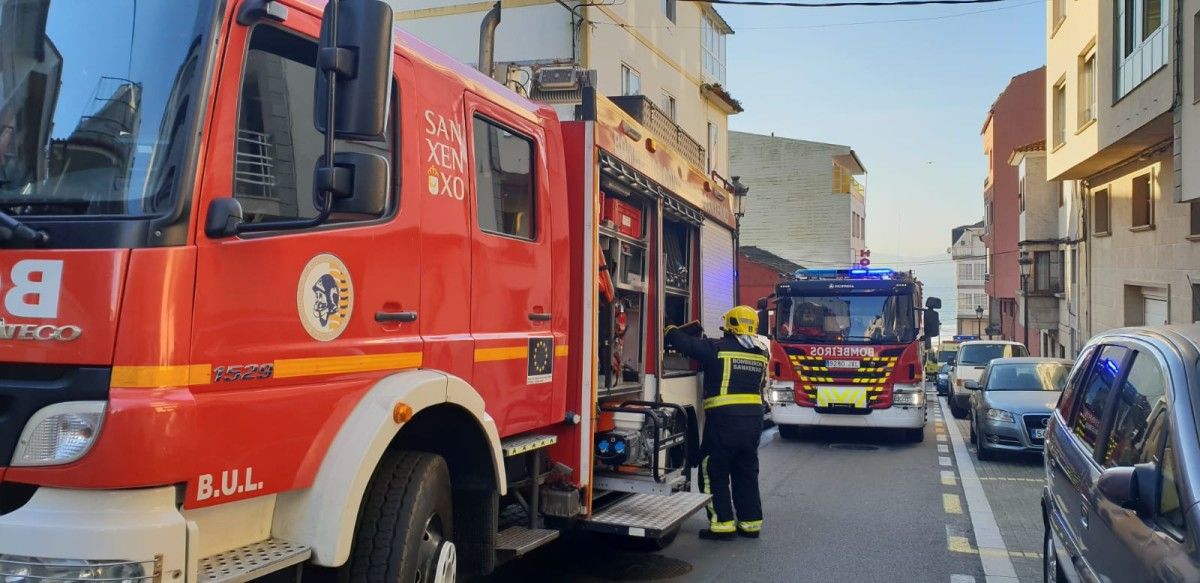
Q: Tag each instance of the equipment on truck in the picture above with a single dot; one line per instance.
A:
(848, 350)
(232, 346)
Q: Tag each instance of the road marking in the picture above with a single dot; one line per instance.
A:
(993, 554)
(948, 478)
(942, 437)
(962, 579)
(960, 544)
(943, 448)
(951, 504)
(945, 461)
(1003, 479)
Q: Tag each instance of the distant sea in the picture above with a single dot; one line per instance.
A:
(937, 274)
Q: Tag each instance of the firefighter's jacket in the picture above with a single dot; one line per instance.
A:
(734, 376)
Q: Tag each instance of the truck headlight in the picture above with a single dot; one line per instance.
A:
(59, 433)
(19, 569)
(999, 415)
(781, 392)
(908, 399)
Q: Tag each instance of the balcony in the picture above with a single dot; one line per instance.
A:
(640, 108)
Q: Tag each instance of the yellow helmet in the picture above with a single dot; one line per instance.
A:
(741, 320)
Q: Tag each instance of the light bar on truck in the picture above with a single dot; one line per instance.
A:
(856, 273)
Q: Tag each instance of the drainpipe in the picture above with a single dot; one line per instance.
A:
(1176, 101)
(487, 40)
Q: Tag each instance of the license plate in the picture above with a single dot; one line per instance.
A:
(1038, 433)
(842, 363)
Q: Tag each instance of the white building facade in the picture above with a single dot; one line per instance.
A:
(806, 203)
(970, 265)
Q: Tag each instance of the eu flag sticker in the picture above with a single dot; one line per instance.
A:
(539, 366)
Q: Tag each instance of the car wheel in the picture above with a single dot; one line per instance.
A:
(982, 451)
(955, 409)
(1051, 571)
(789, 431)
(974, 436)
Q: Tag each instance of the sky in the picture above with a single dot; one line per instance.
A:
(910, 97)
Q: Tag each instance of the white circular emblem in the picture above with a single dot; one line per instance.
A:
(325, 297)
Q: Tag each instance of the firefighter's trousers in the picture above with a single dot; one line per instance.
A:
(729, 456)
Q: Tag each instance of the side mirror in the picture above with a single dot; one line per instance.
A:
(933, 303)
(360, 182)
(361, 62)
(224, 218)
(972, 385)
(1134, 488)
(933, 324)
(951, 362)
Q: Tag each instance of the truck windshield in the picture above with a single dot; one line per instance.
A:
(861, 319)
(98, 99)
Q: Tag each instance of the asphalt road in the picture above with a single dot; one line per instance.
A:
(846, 505)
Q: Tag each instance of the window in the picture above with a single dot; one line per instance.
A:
(1060, 112)
(669, 9)
(1170, 510)
(679, 240)
(1142, 396)
(1142, 44)
(1100, 222)
(1194, 211)
(712, 147)
(1143, 202)
(1047, 272)
(631, 81)
(669, 105)
(277, 145)
(1087, 88)
(712, 39)
(1021, 193)
(1075, 380)
(1074, 266)
(504, 181)
(1094, 399)
(1195, 303)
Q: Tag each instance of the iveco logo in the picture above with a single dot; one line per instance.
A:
(39, 332)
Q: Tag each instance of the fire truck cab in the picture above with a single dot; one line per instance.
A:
(281, 287)
(848, 350)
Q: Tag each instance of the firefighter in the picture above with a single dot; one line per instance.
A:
(735, 372)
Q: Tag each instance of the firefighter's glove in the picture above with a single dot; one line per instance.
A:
(692, 328)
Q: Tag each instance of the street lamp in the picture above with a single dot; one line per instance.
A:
(979, 321)
(1026, 263)
(739, 197)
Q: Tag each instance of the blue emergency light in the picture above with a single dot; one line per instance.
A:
(856, 273)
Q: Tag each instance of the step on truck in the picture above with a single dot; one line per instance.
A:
(848, 350)
(284, 289)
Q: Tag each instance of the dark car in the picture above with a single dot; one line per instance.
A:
(1011, 402)
(942, 383)
(1123, 461)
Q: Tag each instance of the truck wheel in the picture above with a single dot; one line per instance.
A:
(789, 431)
(406, 525)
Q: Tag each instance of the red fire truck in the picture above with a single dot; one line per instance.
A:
(848, 350)
(285, 289)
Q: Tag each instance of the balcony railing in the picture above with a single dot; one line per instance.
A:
(659, 123)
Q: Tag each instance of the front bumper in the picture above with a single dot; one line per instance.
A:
(1007, 435)
(136, 526)
(893, 417)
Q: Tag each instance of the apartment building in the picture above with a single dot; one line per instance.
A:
(666, 57)
(970, 265)
(1016, 118)
(759, 271)
(809, 204)
(1119, 107)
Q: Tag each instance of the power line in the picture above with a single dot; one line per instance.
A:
(845, 4)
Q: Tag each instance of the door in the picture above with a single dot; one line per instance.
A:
(1070, 454)
(511, 316)
(1119, 539)
(287, 320)
(717, 293)
(1154, 311)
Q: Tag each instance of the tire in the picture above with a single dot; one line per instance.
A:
(915, 435)
(974, 436)
(406, 525)
(793, 432)
(1051, 571)
(983, 452)
(956, 410)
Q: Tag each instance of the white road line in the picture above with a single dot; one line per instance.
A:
(962, 579)
(942, 437)
(993, 554)
(943, 448)
(943, 460)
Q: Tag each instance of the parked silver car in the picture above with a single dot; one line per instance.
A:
(1010, 404)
